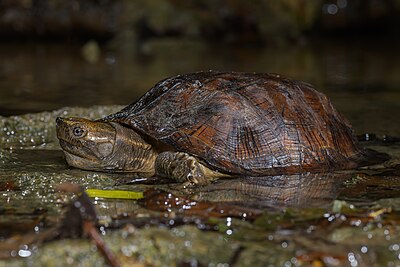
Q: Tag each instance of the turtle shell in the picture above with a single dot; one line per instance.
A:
(245, 123)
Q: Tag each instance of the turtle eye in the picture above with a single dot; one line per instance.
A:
(78, 131)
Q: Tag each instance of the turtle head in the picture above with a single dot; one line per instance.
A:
(104, 146)
(85, 143)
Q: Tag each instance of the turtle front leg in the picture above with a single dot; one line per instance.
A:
(182, 167)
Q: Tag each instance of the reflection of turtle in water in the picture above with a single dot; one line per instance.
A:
(201, 126)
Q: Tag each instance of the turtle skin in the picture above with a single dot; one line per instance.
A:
(245, 123)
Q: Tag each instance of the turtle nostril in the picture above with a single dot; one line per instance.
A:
(58, 120)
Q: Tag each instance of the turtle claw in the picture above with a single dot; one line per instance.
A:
(189, 170)
(181, 167)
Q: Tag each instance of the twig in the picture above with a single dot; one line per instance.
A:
(91, 231)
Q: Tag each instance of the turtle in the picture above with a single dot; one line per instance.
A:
(202, 126)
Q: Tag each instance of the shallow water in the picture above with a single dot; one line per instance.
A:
(338, 219)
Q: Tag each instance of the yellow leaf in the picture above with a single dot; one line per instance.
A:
(118, 194)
